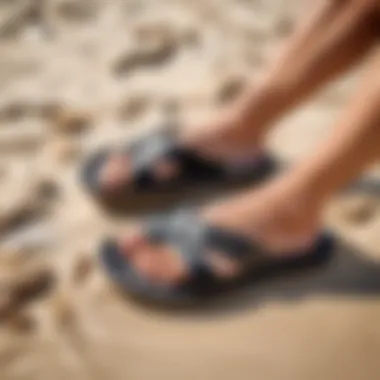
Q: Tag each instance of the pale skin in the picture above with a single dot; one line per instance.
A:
(283, 214)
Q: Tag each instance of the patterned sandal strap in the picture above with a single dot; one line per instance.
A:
(193, 239)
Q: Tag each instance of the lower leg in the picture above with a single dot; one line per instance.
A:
(284, 215)
(336, 37)
(291, 205)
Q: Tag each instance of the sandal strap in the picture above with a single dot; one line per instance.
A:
(146, 152)
(233, 245)
(193, 238)
(164, 145)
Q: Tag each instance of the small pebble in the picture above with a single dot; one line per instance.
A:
(31, 284)
(83, 267)
(21, 322)
(48, 189)
(359, 210)
(78, 11)
(5, 304)
(69, 121)
(13, 112)
(62, 310)
(64, 150)
(284, 26)
(133, 107)
(151, 50)
(229, 89)
(171, 107)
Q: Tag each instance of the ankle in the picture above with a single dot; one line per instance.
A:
(295, 197)
(290, 205)
(286, 226)
(277, 215)
(226, 135)
(261, 106)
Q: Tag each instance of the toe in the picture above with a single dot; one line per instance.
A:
(116, 171)
(132, 241)
(171, 269)
(147, 263)
(165, 170)
(223, 266)
(159, 263)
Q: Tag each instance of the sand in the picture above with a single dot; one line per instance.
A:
(75, 75)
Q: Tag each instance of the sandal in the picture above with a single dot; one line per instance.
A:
(163, 145)
(193, 239)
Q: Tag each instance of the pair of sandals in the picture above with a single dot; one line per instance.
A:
(184, 230)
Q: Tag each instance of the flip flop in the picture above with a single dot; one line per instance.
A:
(194, 171)
(193, 239)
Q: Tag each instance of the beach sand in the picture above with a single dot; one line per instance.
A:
(75, 75)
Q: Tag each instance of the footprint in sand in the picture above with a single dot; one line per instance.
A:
(24, 236)
(29, 126)
(23, 125)
(133, 107)
(21, 109)
(83, 267)
(70, 121)
(152, 47)
(78, 11)
(64, 150)
(229, 89)
(13, 112)
(24, 216)
(25, 17)
(20, 284)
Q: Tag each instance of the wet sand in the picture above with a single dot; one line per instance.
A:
(75, 75)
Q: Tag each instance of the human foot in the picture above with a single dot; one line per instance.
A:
(169, 159)
(272, 218)
(222, 141)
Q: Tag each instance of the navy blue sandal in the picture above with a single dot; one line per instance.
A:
(193, 239)
(194, 171)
